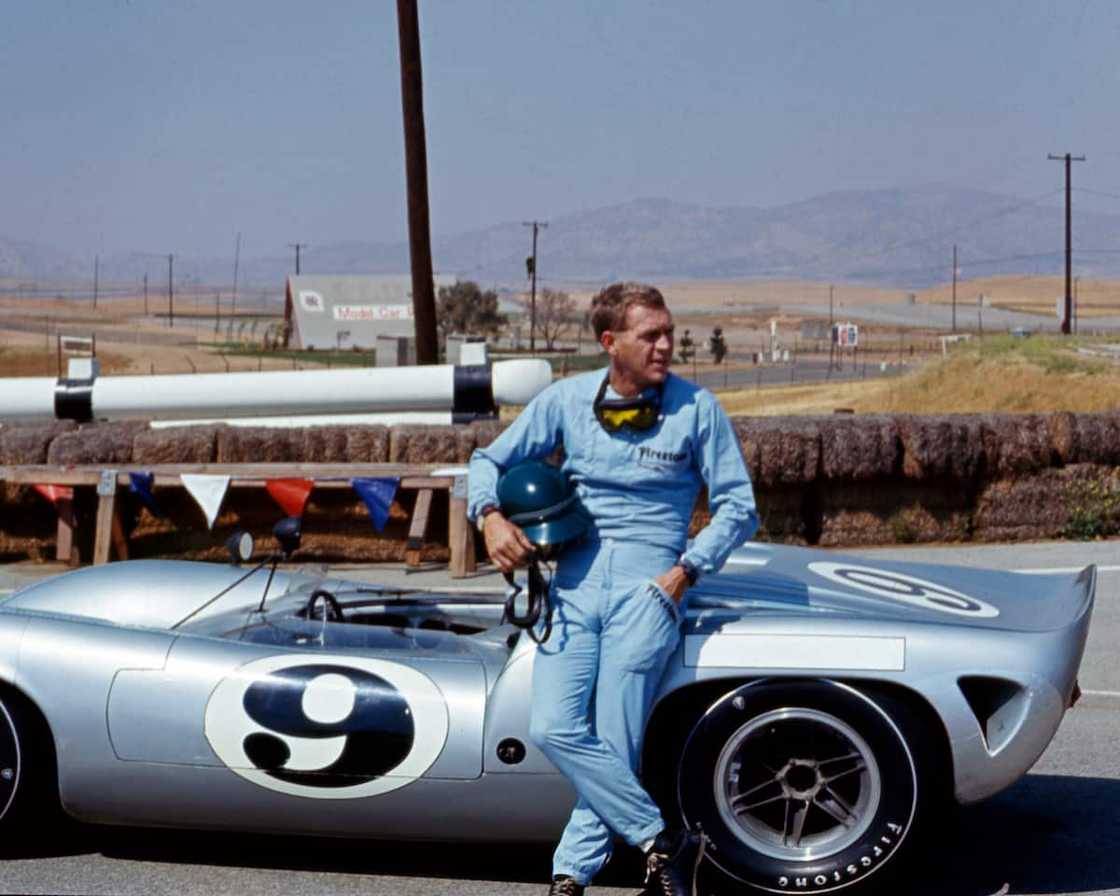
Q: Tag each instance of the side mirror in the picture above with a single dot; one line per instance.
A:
(288, 532)
(240, 547)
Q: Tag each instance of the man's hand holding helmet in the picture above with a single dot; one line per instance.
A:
(537, 513)
(506, 542)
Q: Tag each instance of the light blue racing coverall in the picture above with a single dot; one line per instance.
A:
(613, 627)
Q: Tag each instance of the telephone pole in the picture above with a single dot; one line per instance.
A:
(954, 287)
(145, 294)
(96, 267)
(531, 265)
(296, 246)
(236, 262)
(170, 292)
(416, 178)
(1067, 158)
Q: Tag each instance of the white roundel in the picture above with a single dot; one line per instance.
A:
(327, 726)
(905, 588)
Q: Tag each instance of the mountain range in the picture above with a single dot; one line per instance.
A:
(893, 237)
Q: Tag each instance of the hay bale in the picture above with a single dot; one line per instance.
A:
(783, 515)
(1085, 438)
(259, 445)
(780, 450)
(1076, 501)
(367, 444)
(29, 444)
(1015, 444)
(96, 443)
(943, 445)
(324, 444)
(177, 445)
(858, 448)
(892, 512)
(415, 444)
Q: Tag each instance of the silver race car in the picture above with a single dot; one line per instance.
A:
(817, 713)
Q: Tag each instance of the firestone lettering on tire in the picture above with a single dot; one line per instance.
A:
(892, 836)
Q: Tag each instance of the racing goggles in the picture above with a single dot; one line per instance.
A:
(639, 413)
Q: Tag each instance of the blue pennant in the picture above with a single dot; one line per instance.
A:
(140, 484)
(378, 496)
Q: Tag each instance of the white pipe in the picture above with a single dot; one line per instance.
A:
(274, 392)
(426, 418)
(282, 393)
(27, 398)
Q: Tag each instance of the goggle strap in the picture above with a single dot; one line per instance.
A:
(542, 515)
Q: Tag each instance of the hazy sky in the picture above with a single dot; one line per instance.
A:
(170, 126)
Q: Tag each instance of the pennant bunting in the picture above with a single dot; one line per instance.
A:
(290, 494)
(378, 496)
(140, 484)
(55, 492)
(208, 491)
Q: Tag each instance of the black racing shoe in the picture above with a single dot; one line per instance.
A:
(562, 885)
(671, 864)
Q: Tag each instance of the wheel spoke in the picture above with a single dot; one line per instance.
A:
(739, 797)
(798, 826)
(836, 807)
(858, 767)
(740, 810)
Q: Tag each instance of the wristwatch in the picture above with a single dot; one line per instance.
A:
(690, 571)
(480, 519)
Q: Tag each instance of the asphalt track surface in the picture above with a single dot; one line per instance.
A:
(1055, 832)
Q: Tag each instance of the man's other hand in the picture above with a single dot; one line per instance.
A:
(506, 544)
(674, 583)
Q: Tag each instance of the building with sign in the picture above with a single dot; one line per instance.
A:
(325, 311)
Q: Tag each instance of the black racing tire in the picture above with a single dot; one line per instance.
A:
(28, 797)
(804, 786)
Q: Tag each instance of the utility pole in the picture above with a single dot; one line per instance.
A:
(236, 262)
(416, 176)
(96, 267)
(531, 266)
(217, 312)
(954, 287)
(297, 247)
(1068, 159)
(170, 292)
(145, 293)
(831, 331)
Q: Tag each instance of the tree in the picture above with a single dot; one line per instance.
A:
(556, 314)
(716, 345)
(464, 308)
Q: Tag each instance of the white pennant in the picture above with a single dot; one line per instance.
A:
(208, 490)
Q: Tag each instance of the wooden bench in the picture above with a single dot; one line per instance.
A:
(108, 480)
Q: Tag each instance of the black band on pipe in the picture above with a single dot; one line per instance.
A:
(73, 400)
(474, 393)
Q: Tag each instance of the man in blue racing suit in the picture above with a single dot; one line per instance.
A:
(639, 442)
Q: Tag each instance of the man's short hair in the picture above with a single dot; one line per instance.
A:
(609, 307)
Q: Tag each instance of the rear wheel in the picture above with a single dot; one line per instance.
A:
(26, 753)
(805, 787)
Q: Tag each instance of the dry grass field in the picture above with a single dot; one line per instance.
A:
(1000, 374)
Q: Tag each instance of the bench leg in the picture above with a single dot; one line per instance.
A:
(64, 540)
(418, 528)
(460, 532)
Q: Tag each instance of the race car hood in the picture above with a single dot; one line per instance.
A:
(150, 593)
(778, 578)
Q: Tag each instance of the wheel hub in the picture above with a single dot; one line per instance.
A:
(797, 784)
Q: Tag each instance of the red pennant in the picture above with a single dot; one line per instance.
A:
(54, 492)
(290, 494)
